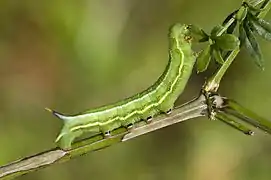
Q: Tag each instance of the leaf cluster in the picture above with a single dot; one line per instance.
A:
(239, 29)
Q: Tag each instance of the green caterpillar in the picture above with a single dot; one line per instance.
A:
(159, 98)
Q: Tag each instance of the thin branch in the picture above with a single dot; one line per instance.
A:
(190, 110)
(214, 82)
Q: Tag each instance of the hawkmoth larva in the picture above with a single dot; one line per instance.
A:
(159, 98)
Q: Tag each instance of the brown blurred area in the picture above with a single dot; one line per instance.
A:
(75, 55)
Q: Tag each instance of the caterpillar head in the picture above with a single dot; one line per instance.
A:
(180, 32)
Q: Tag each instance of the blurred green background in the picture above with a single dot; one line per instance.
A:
(74, 55)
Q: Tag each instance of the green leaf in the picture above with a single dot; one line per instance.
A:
(204, 59)
(198, 33)
(260, 26)
(262, 22)
(261, 31)
(241, 14)
(227, 42)
(251, 8)
(218, 56)
(265, 24)
(248, 39)
(242, 35)
(215, 31)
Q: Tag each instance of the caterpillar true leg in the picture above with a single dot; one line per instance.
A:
(169, 111)
(107, 134)
(130, 126)
(149, 119)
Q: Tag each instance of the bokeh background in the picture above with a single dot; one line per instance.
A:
(74, 55)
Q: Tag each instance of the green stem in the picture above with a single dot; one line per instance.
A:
(213, 83)
(247, 115)
(226, 26)
(230, 120)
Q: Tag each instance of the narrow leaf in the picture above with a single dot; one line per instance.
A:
(204, 59)
(265, 24)
(260, 26)
(198, 33)
(227, 42)
(241, 14)
(261, 31)
(242, 35)
(255, 52)
(251, 8)
(215, 31)
(248, 39)
(218, 56)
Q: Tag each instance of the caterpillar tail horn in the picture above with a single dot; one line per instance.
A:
(57, 114)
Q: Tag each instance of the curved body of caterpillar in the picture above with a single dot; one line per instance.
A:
(158, 98)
